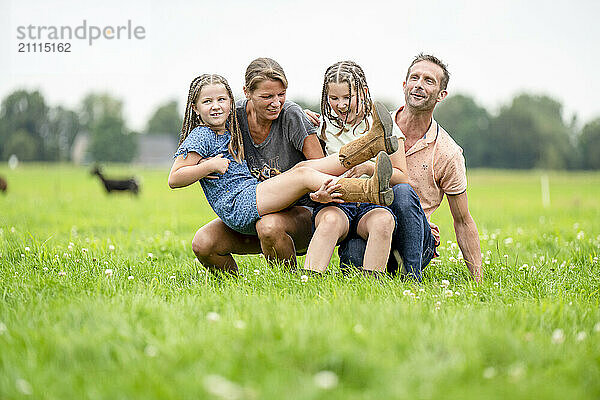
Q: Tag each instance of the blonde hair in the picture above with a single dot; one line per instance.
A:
(191, 120)
(353, 75)
(263, 69)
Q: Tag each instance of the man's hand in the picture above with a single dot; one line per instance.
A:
(327, 193)
(313, 117)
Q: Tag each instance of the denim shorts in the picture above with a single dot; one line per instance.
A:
(354, 212)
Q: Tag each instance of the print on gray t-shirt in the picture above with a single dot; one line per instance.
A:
(282, 149)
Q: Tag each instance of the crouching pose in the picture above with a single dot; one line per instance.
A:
(211, 151)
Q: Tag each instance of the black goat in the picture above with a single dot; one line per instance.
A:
(129, 184)
(3, 185)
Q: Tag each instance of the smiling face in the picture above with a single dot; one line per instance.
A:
(422, 89)
(343, 102)
(213, 105)
(267, 99)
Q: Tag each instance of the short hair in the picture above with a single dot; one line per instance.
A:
(433, 59)
(262, 69)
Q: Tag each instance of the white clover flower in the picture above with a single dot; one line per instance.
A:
(213, 316)
(257, 272)
(505, 256)
(45, 268)
(62, 273)
(581, 336)
(489, 372)
(223, 388)
(22, 255)
(508, 241)
(304, 278)
(151, 351)
(558, 336)
(407, 292)
(239, 324)
(12, 229)
(445, 283)
(524, 266)
(150, 255)
(452, 259)
(24, 387)
(457, 293)
(172, 277)
(448, 293)
(70, 246)
(105, 262)
(421, 290)
(516, 371)
(111, 247)
(108, 272)
(325, 380)
(438, 305)
(496, 284)
(84, 250)
(595, 260)
(580, 235)
(27, 248)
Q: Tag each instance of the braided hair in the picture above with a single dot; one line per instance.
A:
(353, 75)
(191, 120)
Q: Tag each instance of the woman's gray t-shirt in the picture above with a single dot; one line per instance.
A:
(282, 149)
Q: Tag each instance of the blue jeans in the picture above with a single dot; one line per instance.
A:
(413, 239)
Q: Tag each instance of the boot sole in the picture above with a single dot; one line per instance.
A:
(391, 141)
(384, 174)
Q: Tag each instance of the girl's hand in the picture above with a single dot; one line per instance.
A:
(202, 160)
(366, 168)
(313, 117)
(327, 193)
(219, 164)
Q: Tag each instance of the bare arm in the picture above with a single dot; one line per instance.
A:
(312, 147)
(466, 233)
(186, 171)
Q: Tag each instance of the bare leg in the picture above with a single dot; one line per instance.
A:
(282, 233)
(281, 191)
(329, 165)
(331, 225)
(376, 227)
(214, 243)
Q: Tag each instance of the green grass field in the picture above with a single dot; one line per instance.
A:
(101, 298)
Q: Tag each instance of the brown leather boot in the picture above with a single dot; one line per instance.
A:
(379, 138)
(374, 190)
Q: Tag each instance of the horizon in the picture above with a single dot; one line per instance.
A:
(494, 52)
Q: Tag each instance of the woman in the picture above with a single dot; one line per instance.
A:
(276, 135)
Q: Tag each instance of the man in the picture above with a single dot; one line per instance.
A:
(436, 167)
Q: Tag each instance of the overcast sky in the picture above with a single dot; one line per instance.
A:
(494, 49)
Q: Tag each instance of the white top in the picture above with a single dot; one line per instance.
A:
(334, 140)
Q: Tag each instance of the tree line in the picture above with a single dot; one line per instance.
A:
(528, 132)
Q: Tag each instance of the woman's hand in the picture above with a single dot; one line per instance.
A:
(327, 193)
(219, 164)
(313, 117)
